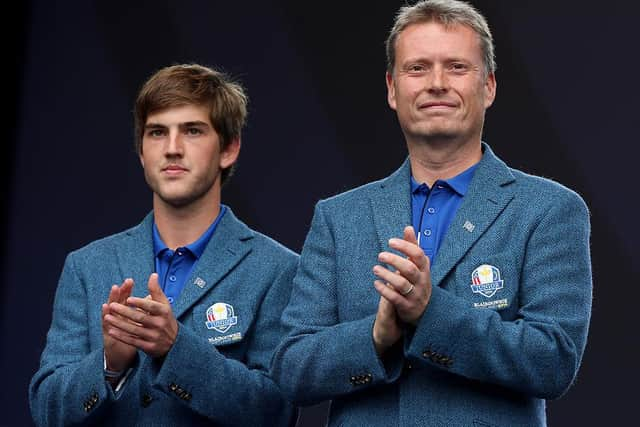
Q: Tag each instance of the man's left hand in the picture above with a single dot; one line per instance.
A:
(409, 287)
(147, 323)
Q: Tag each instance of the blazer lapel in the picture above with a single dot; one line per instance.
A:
(135, 256)
(486, 198)
(227, 247)
(392, 205)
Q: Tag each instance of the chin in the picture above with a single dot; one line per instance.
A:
(177, 201)
(181, 199)
(437, 135)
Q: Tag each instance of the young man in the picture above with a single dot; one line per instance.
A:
(457, 291)
(174, 321)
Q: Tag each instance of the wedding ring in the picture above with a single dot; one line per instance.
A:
(408, 291)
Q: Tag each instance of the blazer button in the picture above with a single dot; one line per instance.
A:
(146, 400)
(173, 387)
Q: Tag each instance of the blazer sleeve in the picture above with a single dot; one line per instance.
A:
(223, 389)
(321, 357)
(69, 388)
(540, 351)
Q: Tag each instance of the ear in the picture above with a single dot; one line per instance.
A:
(141, 158)
(230, 154)
(391, 90)
(490, 90)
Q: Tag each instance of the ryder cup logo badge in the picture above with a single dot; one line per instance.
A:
(485, 280)
(220, 317)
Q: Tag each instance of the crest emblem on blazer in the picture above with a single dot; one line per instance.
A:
(485, 280)
(220, 316)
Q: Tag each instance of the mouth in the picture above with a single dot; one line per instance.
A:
(174, 169)
(437, 105)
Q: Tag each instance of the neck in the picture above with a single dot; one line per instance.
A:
(433, 161)
(180, 226)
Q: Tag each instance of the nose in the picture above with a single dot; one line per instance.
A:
(437, 81)
(175, 145)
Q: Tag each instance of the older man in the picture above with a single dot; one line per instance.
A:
(455, 292)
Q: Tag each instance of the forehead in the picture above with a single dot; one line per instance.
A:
(433, 40)
(180, 114)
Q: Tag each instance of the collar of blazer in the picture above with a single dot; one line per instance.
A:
(230, 243)
(488, 195)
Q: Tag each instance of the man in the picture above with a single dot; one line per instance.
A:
(187, 335)
(455, 292)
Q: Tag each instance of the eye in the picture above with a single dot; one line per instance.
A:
(155, 133)
(194, 131)
(415, 68)
(458, 67)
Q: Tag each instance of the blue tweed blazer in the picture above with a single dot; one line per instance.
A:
(209, 377)
(505, 328)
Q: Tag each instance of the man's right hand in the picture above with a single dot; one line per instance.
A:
(386, 328)
(118, 355)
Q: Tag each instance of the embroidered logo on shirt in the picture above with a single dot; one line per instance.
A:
(497, 304)
(220, 317)
(485, 280)
(225, 339)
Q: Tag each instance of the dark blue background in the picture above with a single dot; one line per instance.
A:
(566, 108)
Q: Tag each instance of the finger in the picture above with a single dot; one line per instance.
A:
(125, 290)
(147, 305)
(409, 235)
(131, 314)
(403, 266)
(397, 281)
(105, 309)
(114, 322)
(113, 294)
(389, 294)
(386, 310)
(126, 338)
(155, 291)
(411, 250)
(149, 345)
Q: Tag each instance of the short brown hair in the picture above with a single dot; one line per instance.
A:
(446, 12)
(193, 84)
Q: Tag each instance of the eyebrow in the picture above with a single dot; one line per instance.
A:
(194, 123)
(182, 125)
(154, 126)
(421, 59)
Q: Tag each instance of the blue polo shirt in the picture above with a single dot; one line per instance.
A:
(174, 267)
(433, 209)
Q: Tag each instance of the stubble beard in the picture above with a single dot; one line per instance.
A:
(185, 197)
